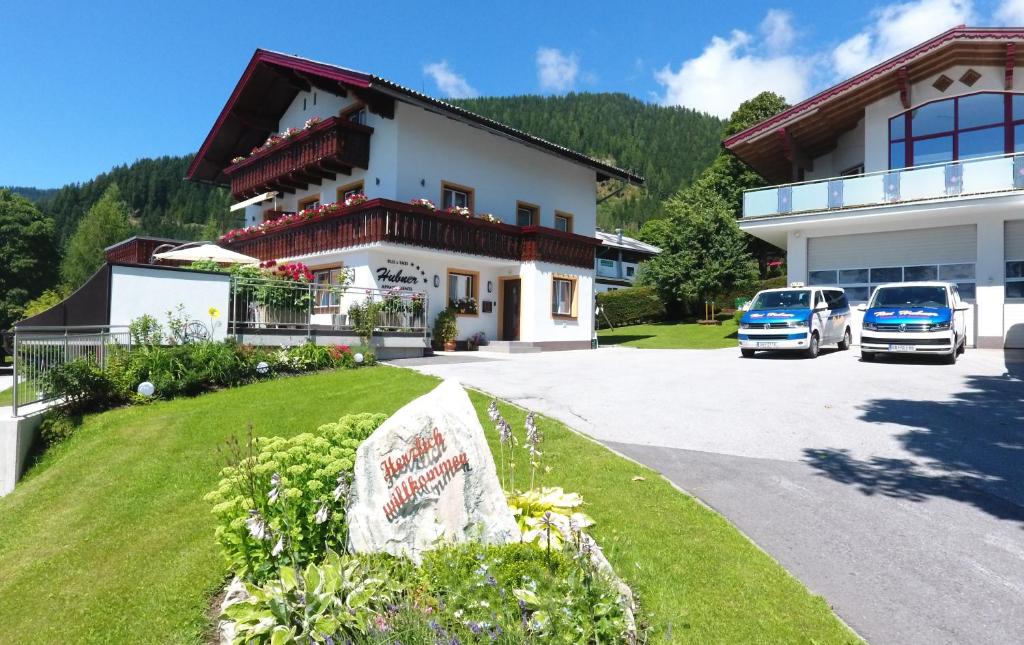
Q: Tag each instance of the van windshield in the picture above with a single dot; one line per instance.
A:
(915, 296)
(782, 300)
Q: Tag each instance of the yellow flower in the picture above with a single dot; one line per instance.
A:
(214, 312)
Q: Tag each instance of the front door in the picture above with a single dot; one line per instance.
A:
(510, 295)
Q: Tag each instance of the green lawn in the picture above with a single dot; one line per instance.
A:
(671, 336)
(108, 538)
(6, 397)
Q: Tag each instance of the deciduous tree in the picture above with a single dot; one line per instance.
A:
(28, 255)
(704, 253)
(106, 222)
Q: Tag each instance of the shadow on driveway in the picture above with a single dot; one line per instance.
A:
(971, 448)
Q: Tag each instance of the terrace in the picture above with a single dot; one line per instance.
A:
(384, 221)
(995, 175)
(322, 152)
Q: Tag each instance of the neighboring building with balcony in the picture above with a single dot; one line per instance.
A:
(523, 250)
(912, 170)
(618, 260)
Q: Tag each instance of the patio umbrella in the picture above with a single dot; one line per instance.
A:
(206, 252)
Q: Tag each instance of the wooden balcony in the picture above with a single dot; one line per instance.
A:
(311, 156)
(382, 220)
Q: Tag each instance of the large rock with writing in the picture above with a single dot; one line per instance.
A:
(427, 476)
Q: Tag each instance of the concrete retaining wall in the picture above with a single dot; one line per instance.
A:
(17, 435)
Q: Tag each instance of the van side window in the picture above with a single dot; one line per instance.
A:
(836, 299)
(818, 298)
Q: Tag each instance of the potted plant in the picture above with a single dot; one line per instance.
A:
(475, 341)
(446, 328)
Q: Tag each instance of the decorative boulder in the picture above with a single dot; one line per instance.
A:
(427, 476)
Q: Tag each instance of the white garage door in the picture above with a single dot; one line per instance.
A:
(860, 262)
(1013, 310)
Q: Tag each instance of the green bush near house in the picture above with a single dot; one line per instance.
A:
(630, 306)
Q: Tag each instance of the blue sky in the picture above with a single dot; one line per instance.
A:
(87, 86)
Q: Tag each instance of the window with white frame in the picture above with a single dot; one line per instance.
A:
(860, 283)
(457, 196)
(1015, 279)
(563, 290)
(526, 214)
(327, 287)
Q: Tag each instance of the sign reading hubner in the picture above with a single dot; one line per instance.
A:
(427, 476)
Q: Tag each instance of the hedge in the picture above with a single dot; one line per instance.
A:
(630, 306)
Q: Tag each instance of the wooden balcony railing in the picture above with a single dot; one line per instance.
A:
(334, 146)
(381, 220)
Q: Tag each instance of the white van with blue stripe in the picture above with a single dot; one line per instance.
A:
(797, 318)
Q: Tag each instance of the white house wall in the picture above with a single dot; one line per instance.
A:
(137, 291)
(537, 323)
(849, 152)
(1013, 309)
(433, 148)
(379, 180)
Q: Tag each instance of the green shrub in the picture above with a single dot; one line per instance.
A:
(446, 327)
(630, 306)
(344, 600)
(82, 384)
(146, 330)
(303, 513)
(57, 426)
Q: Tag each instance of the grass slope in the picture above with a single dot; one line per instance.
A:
(108, 539)
(671, 336)
(6, 397)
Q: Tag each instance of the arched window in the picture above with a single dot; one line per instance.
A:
(963, 127)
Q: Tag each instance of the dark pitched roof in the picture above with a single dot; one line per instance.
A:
(272, 80)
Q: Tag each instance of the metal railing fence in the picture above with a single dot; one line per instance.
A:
(38, 350)
(258, 305)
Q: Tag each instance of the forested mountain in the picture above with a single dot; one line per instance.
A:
(162, 202)
(668, 146)
(35, 195)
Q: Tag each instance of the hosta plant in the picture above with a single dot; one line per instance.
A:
(546, 516)
(340, 601)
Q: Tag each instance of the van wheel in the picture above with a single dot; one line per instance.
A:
(812, 347)
(950, 358)
(747, 353)
(867, 357)
(847, 340)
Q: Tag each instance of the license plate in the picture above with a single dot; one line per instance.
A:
(766, 344)
(902, 348)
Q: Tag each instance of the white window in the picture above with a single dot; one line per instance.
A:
(526, 214)
(357, 116)
(562, 292)
(456, 196)
(563, 222)
(630, 271)
(1015, 279)
(327, 287)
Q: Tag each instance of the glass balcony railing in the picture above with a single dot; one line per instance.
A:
(952, 179)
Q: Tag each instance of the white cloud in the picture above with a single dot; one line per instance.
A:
(1010, 13)
(450, 83)
(777, 30)
(728, 72)
(556, 72)
(898, 27)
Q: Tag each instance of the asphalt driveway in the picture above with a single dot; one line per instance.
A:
(893, 489)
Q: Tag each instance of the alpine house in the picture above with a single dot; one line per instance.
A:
(362, 179)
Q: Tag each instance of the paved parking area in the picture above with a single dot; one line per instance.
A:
(894, 489)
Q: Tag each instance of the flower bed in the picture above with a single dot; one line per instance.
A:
(333, 208)
(282, 529)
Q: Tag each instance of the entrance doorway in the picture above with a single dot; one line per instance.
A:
(511, 292)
